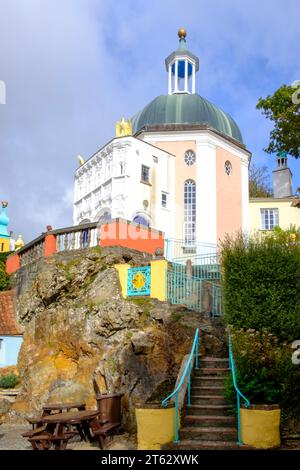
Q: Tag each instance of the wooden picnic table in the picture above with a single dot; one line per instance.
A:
(60, 407)
(59, 423)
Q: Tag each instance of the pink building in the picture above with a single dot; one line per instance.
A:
(191, 183)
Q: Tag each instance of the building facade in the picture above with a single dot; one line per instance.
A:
(183, 171)
(282, 210)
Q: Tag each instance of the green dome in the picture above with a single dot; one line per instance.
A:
(186, 109)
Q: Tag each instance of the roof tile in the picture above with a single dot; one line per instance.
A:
(8, 323)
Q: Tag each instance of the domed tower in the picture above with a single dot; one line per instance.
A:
(211, 170)
(4, 234)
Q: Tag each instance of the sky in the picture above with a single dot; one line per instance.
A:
(72, 68)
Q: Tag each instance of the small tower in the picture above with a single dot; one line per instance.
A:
(4, 234)
(182, 66)
(282, 178)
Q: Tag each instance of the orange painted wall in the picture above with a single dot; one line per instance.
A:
(123, 233)
(13, 263)
(50, 245)
(229, 194)
(182, 173)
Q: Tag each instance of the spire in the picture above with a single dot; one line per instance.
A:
(4, 221)
(182, 66)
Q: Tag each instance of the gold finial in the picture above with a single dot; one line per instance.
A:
(123, 128)
(80, 159)
(4, 204)
(182, 33)
(19, 243)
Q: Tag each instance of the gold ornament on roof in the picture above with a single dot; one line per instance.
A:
(182, 33)
(123, 128)
(19, 243)
(80, 159)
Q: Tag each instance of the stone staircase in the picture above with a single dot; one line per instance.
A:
(207, 424)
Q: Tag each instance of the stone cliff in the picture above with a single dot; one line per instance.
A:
(78, 327)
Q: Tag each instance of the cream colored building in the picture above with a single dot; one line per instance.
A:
(282, 210)
(267, 213)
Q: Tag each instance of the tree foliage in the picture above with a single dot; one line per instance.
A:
(282, 108)
(259, 182)
(4, 278)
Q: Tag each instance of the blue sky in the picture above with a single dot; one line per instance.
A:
(74, 67)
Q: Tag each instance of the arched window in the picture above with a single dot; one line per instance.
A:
(105, 217)
(139, 219)
(189, 212)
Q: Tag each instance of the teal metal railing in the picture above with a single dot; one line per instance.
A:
(184, 290)
(186, 373)
(206, 266)
(176, 248)
(239, 394)
(216, 300)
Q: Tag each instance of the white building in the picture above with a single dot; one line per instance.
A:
(127, 178)
(184, 172)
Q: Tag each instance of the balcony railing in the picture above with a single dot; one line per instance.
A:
(65, 239)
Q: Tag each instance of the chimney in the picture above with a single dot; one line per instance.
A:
(282, 178)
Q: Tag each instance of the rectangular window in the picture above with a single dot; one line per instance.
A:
(145, 174)
(269, 219)
(164, 200)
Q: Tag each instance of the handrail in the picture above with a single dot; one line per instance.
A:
(239, 394)
(187, 370)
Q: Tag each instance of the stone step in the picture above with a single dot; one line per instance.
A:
(213, 362)
(208, 420)
(207, 410)
(211, 371)
(209, 433)
(204, 445)
(207, 390)
(210, 381)
(208, 399)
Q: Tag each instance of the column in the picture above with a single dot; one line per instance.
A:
(176, 76)
(193, 79)
(170, 79)
(206, 195)
(186, 77)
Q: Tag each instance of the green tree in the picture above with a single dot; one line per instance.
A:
(4, 278)
(259, 182)
(282, 108)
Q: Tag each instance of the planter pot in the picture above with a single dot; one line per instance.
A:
(260, 426)
(155, 425)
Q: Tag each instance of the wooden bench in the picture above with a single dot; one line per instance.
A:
(104, 431)
(48, 441)
(34, 431)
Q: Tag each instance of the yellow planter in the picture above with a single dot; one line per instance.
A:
(260, 426)
(155, 426)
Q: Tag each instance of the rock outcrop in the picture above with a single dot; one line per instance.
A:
(78, 327)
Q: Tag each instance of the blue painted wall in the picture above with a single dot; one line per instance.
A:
(9, 350)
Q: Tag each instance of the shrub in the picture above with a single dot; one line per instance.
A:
(261, 280)
(4, 278)
(264, 371)
(9, 381)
